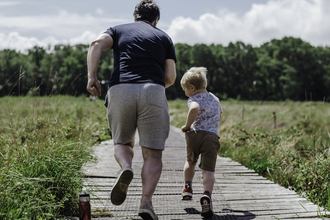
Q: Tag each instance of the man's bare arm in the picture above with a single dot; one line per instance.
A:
(169, 72)
(103, 42)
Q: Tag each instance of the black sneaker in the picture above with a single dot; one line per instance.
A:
(119, 190)
(206, 203)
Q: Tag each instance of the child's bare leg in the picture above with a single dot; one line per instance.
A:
(189, 170)
(188, 173)
(208, 180)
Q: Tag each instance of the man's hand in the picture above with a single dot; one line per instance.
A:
(103, 42)
(94, 87)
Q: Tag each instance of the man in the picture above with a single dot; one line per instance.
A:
(144, 65)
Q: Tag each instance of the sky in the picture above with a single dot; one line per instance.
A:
(26, 23)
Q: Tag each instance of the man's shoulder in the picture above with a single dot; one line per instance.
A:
(142, 26)
(117, 28)
(122, 26)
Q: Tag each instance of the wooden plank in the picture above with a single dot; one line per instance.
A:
(239, 193)
(304, 207)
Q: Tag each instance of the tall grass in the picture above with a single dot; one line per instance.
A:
(44, 141)
(293, 150)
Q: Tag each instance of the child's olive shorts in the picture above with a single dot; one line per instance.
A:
(203, 143)
(141, 107)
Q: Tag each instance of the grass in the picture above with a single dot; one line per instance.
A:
(292, 149)
(44, 141)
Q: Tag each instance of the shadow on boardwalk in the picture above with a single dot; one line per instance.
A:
(238, 193)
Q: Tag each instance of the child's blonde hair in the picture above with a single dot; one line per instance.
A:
(195, 76)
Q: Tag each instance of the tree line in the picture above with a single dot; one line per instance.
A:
(287, 68)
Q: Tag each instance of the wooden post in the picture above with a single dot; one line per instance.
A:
(243, 113)
(274, 113)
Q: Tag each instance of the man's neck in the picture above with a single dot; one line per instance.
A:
(154, 23)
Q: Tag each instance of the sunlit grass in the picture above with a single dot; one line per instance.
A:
(44, 141)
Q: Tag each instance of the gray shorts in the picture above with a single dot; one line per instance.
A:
(138, 106)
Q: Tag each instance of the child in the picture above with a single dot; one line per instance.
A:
(201, 131)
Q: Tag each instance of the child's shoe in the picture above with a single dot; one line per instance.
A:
(206, 203)
(187, 193)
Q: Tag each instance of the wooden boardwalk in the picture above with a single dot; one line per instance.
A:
(239, 193)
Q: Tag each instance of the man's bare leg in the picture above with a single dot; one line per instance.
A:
(124, 154)
(151, 171)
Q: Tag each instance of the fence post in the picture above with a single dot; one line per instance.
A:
(274, 113)
(243, 113)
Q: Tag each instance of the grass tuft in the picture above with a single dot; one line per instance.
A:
(44, 141)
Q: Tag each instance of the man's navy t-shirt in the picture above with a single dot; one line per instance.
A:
(140, 51)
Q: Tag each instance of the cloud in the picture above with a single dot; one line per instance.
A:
(307, 19)
(99, 11)
(86, 38)
(17, 42)
(8, 3)
(64, 25)
(22, 44)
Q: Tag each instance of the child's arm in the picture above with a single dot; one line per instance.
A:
(191, 117)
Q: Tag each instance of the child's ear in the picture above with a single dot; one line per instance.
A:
(192, 87)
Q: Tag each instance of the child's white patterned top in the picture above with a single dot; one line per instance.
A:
(208, 117)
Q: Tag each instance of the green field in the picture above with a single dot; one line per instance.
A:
(44, 141)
